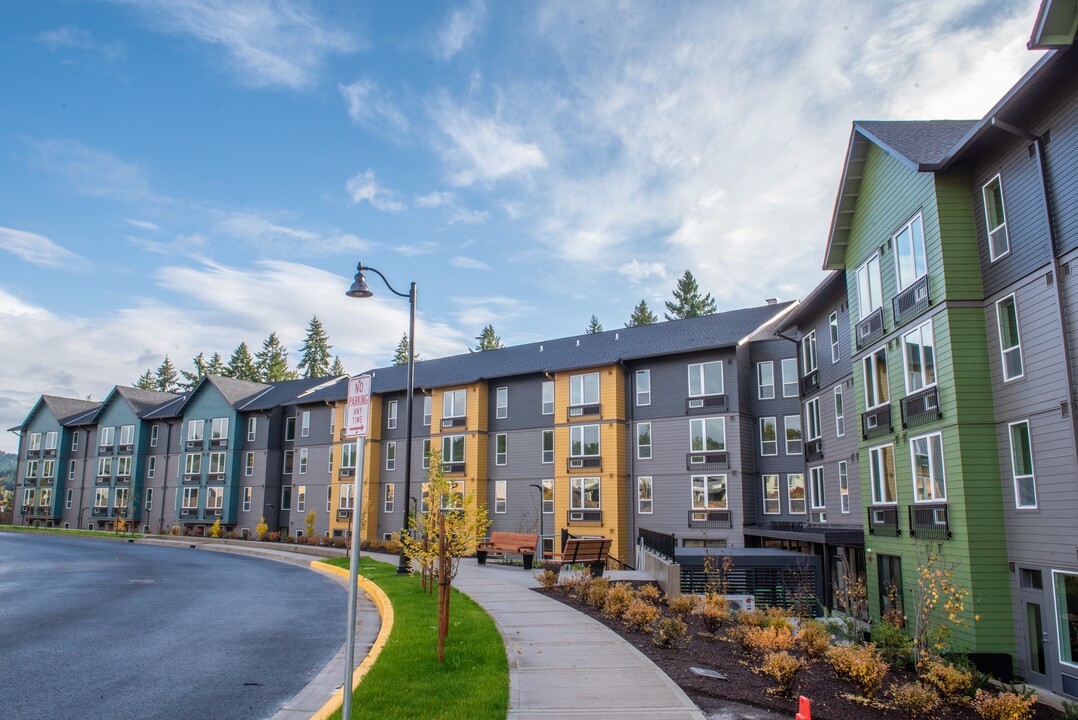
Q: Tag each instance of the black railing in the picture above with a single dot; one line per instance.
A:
(454, 421)
(921, 407)
(50, 452)
(591, 461)
(342, 514)
(453, 467)
(33, 453)
(711, 519)
(705, 403)
(870, 329)
(659, 543)
(710, 460)
(810, 383)
(911, 302)
(930, 521)
(579, 411)
(99, 512)
(103, 479)
(194, 478)
(348, 472)
(876, 422)
(883, 521)
(814, 449)
(592, 518)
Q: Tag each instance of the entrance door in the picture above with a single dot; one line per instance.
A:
(1037, 655)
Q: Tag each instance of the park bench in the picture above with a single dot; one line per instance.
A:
(507, 543)
(593, 552)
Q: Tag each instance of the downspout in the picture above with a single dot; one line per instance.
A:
(631, 495)
(164, 487)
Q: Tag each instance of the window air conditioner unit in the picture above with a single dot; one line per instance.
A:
(576, 463)
(576, 412)
(217, 513)
(576, 516)
(871, 421)
(939, 516)
(697, 459)
(700, 516)
(878, 517)
(696, 403)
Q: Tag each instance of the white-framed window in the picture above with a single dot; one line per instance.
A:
(548, 397)
(196, 429)
(585, 493)
(929, 482)
(816, 483)
(792, 425)
(70, 497)
(769, 436)
(765, 380)
(645, 503)
(709, 492)
(501, 403)
(832, 324)
(45, 498)
(329, 499)
(812, 419)
(344, 500)
(192, 464)
(772, 503)
(919, 357)
(1010, 343)
(30, 494)
(286, 497)
(119, 500)
(190, 498)
(219, 429)
(305, 424)
(106, 438)
(643, 441)
(35, 442)
(123, 466)
(995, 219)
(48, 468)
(301, 455)
(71, 470)
(840, 412)
(252, 429)
(104, 467)
(1065, 590)
(548, 447)
(548, 496)
(248, 492)
(869, 288)
(643, 387)
(790, 385)
(51, 438)
(426, 453)
(584, 389)
(843, 487)
(391, 455)
(584, 441)
(151, 466)
(74, 441)
(707, 434)
(428, 402)
(501, 491)
(705, 379)
(877, 390)
(389, 494)
(808, 353)
(348, 455)
(217, 463)
(289, 461)
(154, 432)
(911, 262)
(290, 428)
(453, 449)
(881, 475)
(455, 403)
(501, 449)
(1025, 484)
(215, 497)
(391, 415)
(795, 493)
(32, 466)
(248, 464)
(301, 498)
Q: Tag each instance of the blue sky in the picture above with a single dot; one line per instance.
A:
(182, 175)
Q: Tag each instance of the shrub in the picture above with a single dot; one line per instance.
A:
(547, 578)
(774, 617)
(752, 618)
(261, 528)
(577, 584)
(667, 631)
(814, 639)
(597, 590)
(682, 605)
(1004, 706)
(860, 663)
(309, 522)
(895, 646)
(767, 639)
(949, 681)
(273, 536)
(783, 668)
(618, 598)
(640, 614)
(914, 700)
(714, 612)
(1070, 710)
(651, 593)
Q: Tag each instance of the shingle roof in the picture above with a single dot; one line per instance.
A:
(820, 299)
(143, 402)
(283, 392)
(919, 142)
(329, 390)
(67, 409)
(170, 409)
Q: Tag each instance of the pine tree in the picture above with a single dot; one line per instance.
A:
(338, 367)
(400, 357)
(687, 301)
(315, 351)
(642, 315)
(594, 326)
(146, 381)
(272, 361)
(216, 365)
(488, 340)
(241, 365)
(167, 376)
(190, 379)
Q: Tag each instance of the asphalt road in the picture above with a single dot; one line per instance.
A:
(99, 629)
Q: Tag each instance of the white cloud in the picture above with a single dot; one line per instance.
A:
(95, 172)
(637, 272)
(144, 225)
(462, 24)
(475, 313)
(70, 36)
(485, 148)
(39, 250)
(435, 199)
(468, 217)
(468, 263)
(367, 108)
(363, 186)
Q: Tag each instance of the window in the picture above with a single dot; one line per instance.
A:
(301, 498)
(1025, 485)
(149, 498)
(769, 441)
(391, 415)
(427, 402)
(643, 387)
(345, 501)
(584, 389)
(48, 468)
(454, 403)
(305, 424)
(104, 467)
(74, 441)
(919, 356)
(71, 470)
(289, 461)
(808, 353)
(995, 219)
(426, 453)
(453, 449)
(1010, 344)
(816, 482)
(348, 455)
(215, 497)
(500, 491)
(843, 487)
(643, 441)
(832, 324)
(840, 413)
(548, 497)
(195, 430)
(910, 261)
(812, 419)
(249, 464)
(50, 439)
(286, 497)
(29, 494)
(1066, 590)
(707, 434)
(501, 403)
(501, 449)
(584, 441)
(290, 429)
(929, 483)
(219, 429)
(190, 498)
(705, 379)
(644, 501)
(45, 499)
(391, 456)
(154, 430)
(192, 464)
(329, 499)
(389, 497)
(31, 468)
(127, 434)
(123, 466)
(548, 397)
(247, 492)
(548, 446)
(881, 474)
(302, 455)
(869, 288)
(107, 435)
(795, 493)
(790, 386)
(772, 504)
(584, 493)
(877, 391)
(217, 463)
(708, 492)
(793, 434)
(35, 442)
(252, 429)
(765, 380)
(71, 496)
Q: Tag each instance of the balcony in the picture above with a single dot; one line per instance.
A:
(594, 462)
(106, 449)
(192, 477)
(452, 468)
(348, 472)
(454, 421)
(344, 514)
(25, 509)
(921, 407)
(219, 442)
(711, 519)
(214, 512)
(48, 480)
(50, 452)
(814, 449)
(103, 479)
(705, 403)
(810, 383)
(29, 482)
(883, 521)
(127, 448)
(575, 412)
(218, 478)
(876, 422)
(930, 521)
(911, 302)
(193, 444)
(99, 512)
(41, 511)
(870, 329)
(710, 460)
(123, 479)
(589, 518)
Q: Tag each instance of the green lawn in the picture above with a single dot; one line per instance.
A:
(62, 531)
(407, 681)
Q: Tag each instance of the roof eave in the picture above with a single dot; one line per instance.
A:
(1056, 25)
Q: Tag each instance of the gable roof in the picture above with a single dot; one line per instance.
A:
(65, 410)
(286, 392)
(142, 402)
(234, 391)
(330, 390)
(821, 299)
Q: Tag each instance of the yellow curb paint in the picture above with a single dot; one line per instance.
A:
(385, 609)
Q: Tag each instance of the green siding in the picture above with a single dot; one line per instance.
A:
(961, 263)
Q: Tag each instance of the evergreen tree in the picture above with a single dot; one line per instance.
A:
(400, 357)
(272, 361)
(190, 379)
(216, 365)
(241, 365)
(488, 340)
(338, 367)
(167, 376)
(146, 381)
(594, 326)
(642, 315)
(687, 300)
(315, 351)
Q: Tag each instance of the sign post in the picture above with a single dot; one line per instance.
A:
(356, 419)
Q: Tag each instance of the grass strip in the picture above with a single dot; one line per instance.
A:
(62, 531)
(407, 680)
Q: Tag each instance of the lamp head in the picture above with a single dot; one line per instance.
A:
(359, 288)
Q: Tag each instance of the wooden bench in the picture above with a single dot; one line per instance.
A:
(593, 552)
(507, 543)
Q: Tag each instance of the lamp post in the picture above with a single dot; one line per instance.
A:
(359, 289)
(542, 545)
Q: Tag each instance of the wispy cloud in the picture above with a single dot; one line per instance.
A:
(70, 36)
(460, 26)
(38, 250)
(435, 199)
(476, 312)
(95, 172)
(467, 263)
(144, 225)
(368, 108)
(484, 148)
(364, 187)
(637, 272)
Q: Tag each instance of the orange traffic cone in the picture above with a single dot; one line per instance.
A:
(804, 710)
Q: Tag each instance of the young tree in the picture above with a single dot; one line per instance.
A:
(642, 315)
(314, 360)
(241, 365)
(400, 357)
(216, 365)
(146, 381)
(167, 376)
(272, 361)
(594, 326)
(190, 379)
(687, 300)
(488, 340)
(338, 367)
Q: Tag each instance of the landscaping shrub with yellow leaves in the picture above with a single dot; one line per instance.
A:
(682, 605)
(618, 598)
(577, 584)
(596, 592)
(651, 593)
(640, 614)
(714, 612)
(547, 578)
(1004, 706)
(949, 681)
(914, 700)
(767, 639)
(814, 639)
(668, 631)
(783, 668)
(860, 663)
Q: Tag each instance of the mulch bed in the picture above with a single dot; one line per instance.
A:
(819, 682)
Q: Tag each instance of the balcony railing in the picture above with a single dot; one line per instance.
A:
(33, 454)
(592, 518)
(711, 519)
(814, 449)
(348, 472)
(921, 407)
(123, 478)
(930, 521)
(594, 462)
(192, 444)
(454, 421)
(29, 482)
(705, 403)
(103, 479)
(25, 509)
(870, 329)
(710, 460)
(50, 452)
(579, 411)
(47, 480)
(453, 467)
(105, 449)
(344, 514)
(125, 448)
(810, 383)
(883, 521)
(660, 543)
(876, 422)
(189, 513)
(192, 478)
(911, 302)
(99, 512)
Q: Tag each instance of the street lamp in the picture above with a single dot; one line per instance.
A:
(542, 545)
(359, 289)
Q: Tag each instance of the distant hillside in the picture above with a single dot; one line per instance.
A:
(7, 469)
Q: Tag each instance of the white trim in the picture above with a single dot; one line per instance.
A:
(501, 488)
(840, 417)
(649, 446)
(920, 329)
(924, 251)
(778, 493)
(872, 487)
(703, 378)
(874, 293)
(998, 180)
(999, 330)
(1058, 617)
(501, 458)
(646, 372)
(870, 358)
(817, 503)
(832, 329)
(651, 495)
(774, 422)
(760, 384)
(1014, 470)
(501, 410)
(789, 495)
(843, 497)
